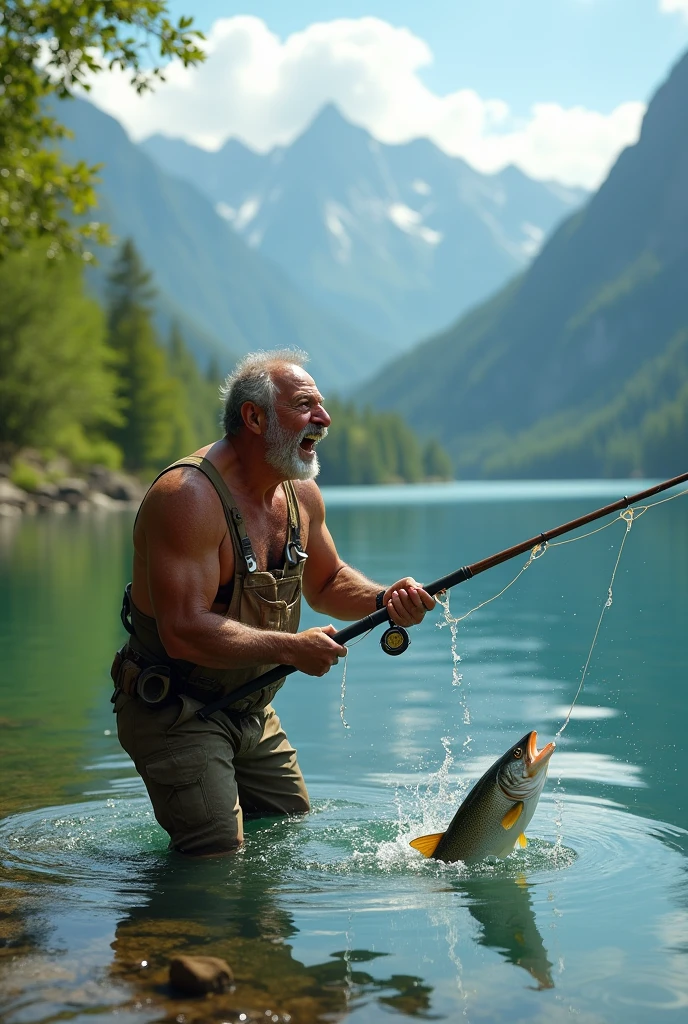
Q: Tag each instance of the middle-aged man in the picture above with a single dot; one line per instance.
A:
(225, 542)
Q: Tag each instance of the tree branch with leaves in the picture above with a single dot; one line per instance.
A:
(51, 48)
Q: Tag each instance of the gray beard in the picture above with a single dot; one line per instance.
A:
(282, 452)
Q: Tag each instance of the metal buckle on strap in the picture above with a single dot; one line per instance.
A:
(293, 552)
(246, 546)
(125, 613)
(293, 549)
(249, 555)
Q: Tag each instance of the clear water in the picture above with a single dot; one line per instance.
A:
(334, 916)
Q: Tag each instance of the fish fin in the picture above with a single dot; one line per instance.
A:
(522, 841)
(512, 815)
(427, 844)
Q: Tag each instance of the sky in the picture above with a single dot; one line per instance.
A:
(557, 87)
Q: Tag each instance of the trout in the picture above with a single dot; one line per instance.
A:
(496, 812)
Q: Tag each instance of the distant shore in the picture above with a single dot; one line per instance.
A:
(58, 488)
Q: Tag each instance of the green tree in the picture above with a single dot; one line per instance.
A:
(200, 395)
(155, 420)
(436, 463)
(57, 385)
(367, 447)
(50, 47)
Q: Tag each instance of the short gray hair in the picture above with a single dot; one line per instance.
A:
(251, 381)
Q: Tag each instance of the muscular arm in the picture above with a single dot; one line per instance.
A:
(184, 527)
(335, 588)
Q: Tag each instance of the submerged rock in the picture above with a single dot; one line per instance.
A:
(198, 975)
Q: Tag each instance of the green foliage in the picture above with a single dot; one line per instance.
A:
(154, 418)
(436, 462)
(49, 47)
(83, 448)
(55, 368)
(112, 394)
(26, 476)
(365, 447)
(200, 395)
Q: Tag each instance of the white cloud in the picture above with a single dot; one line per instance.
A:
(672, 6)
(264, 91)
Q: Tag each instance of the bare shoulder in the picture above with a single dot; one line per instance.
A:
(310, 499)
(183, 499)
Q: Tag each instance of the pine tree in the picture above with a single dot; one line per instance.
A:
(155, 418)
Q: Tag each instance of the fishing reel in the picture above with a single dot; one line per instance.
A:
(395, 640)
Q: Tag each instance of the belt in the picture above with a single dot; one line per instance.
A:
(125, 678)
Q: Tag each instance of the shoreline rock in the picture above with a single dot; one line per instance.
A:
(98, 489)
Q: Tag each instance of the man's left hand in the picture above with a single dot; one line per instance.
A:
(406, 602)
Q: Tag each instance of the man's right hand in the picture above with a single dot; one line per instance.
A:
(315, 652)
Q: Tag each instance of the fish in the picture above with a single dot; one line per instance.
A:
(493, 817)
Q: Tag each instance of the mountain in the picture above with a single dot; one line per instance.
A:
(580, 366)
(228, 298)
(398, 239)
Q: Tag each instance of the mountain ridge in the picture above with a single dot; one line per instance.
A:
(398, 238)
(544, 358)
(231, 298)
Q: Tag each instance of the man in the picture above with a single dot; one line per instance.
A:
(224, 544)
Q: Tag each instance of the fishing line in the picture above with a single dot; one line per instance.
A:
(453, 620)
(627, 515)
(535, 553)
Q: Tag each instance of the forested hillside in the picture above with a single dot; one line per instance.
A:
(99, 385)
(578, 367)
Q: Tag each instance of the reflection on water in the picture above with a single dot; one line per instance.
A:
(235, 910)
(504, 910)
(334, 916)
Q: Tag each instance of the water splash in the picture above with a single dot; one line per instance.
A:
(457, 675)
(342, 696)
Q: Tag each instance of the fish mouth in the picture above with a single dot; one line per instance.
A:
(536, 760)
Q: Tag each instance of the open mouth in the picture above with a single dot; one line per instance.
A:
(307, 444)
(536, 759)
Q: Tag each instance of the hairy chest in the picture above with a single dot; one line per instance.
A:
(268, 531)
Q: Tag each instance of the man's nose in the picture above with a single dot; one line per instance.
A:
(321, 416)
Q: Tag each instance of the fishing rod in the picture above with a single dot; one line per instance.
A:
(396, 638)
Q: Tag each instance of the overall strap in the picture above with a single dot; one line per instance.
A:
(235, 521)
(234, 518)
(293, 551)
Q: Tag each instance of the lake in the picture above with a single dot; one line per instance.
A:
(334, 916)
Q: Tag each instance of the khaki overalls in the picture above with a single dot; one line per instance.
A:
(201, 775)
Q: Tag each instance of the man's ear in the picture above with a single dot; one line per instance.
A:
(254, 417)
